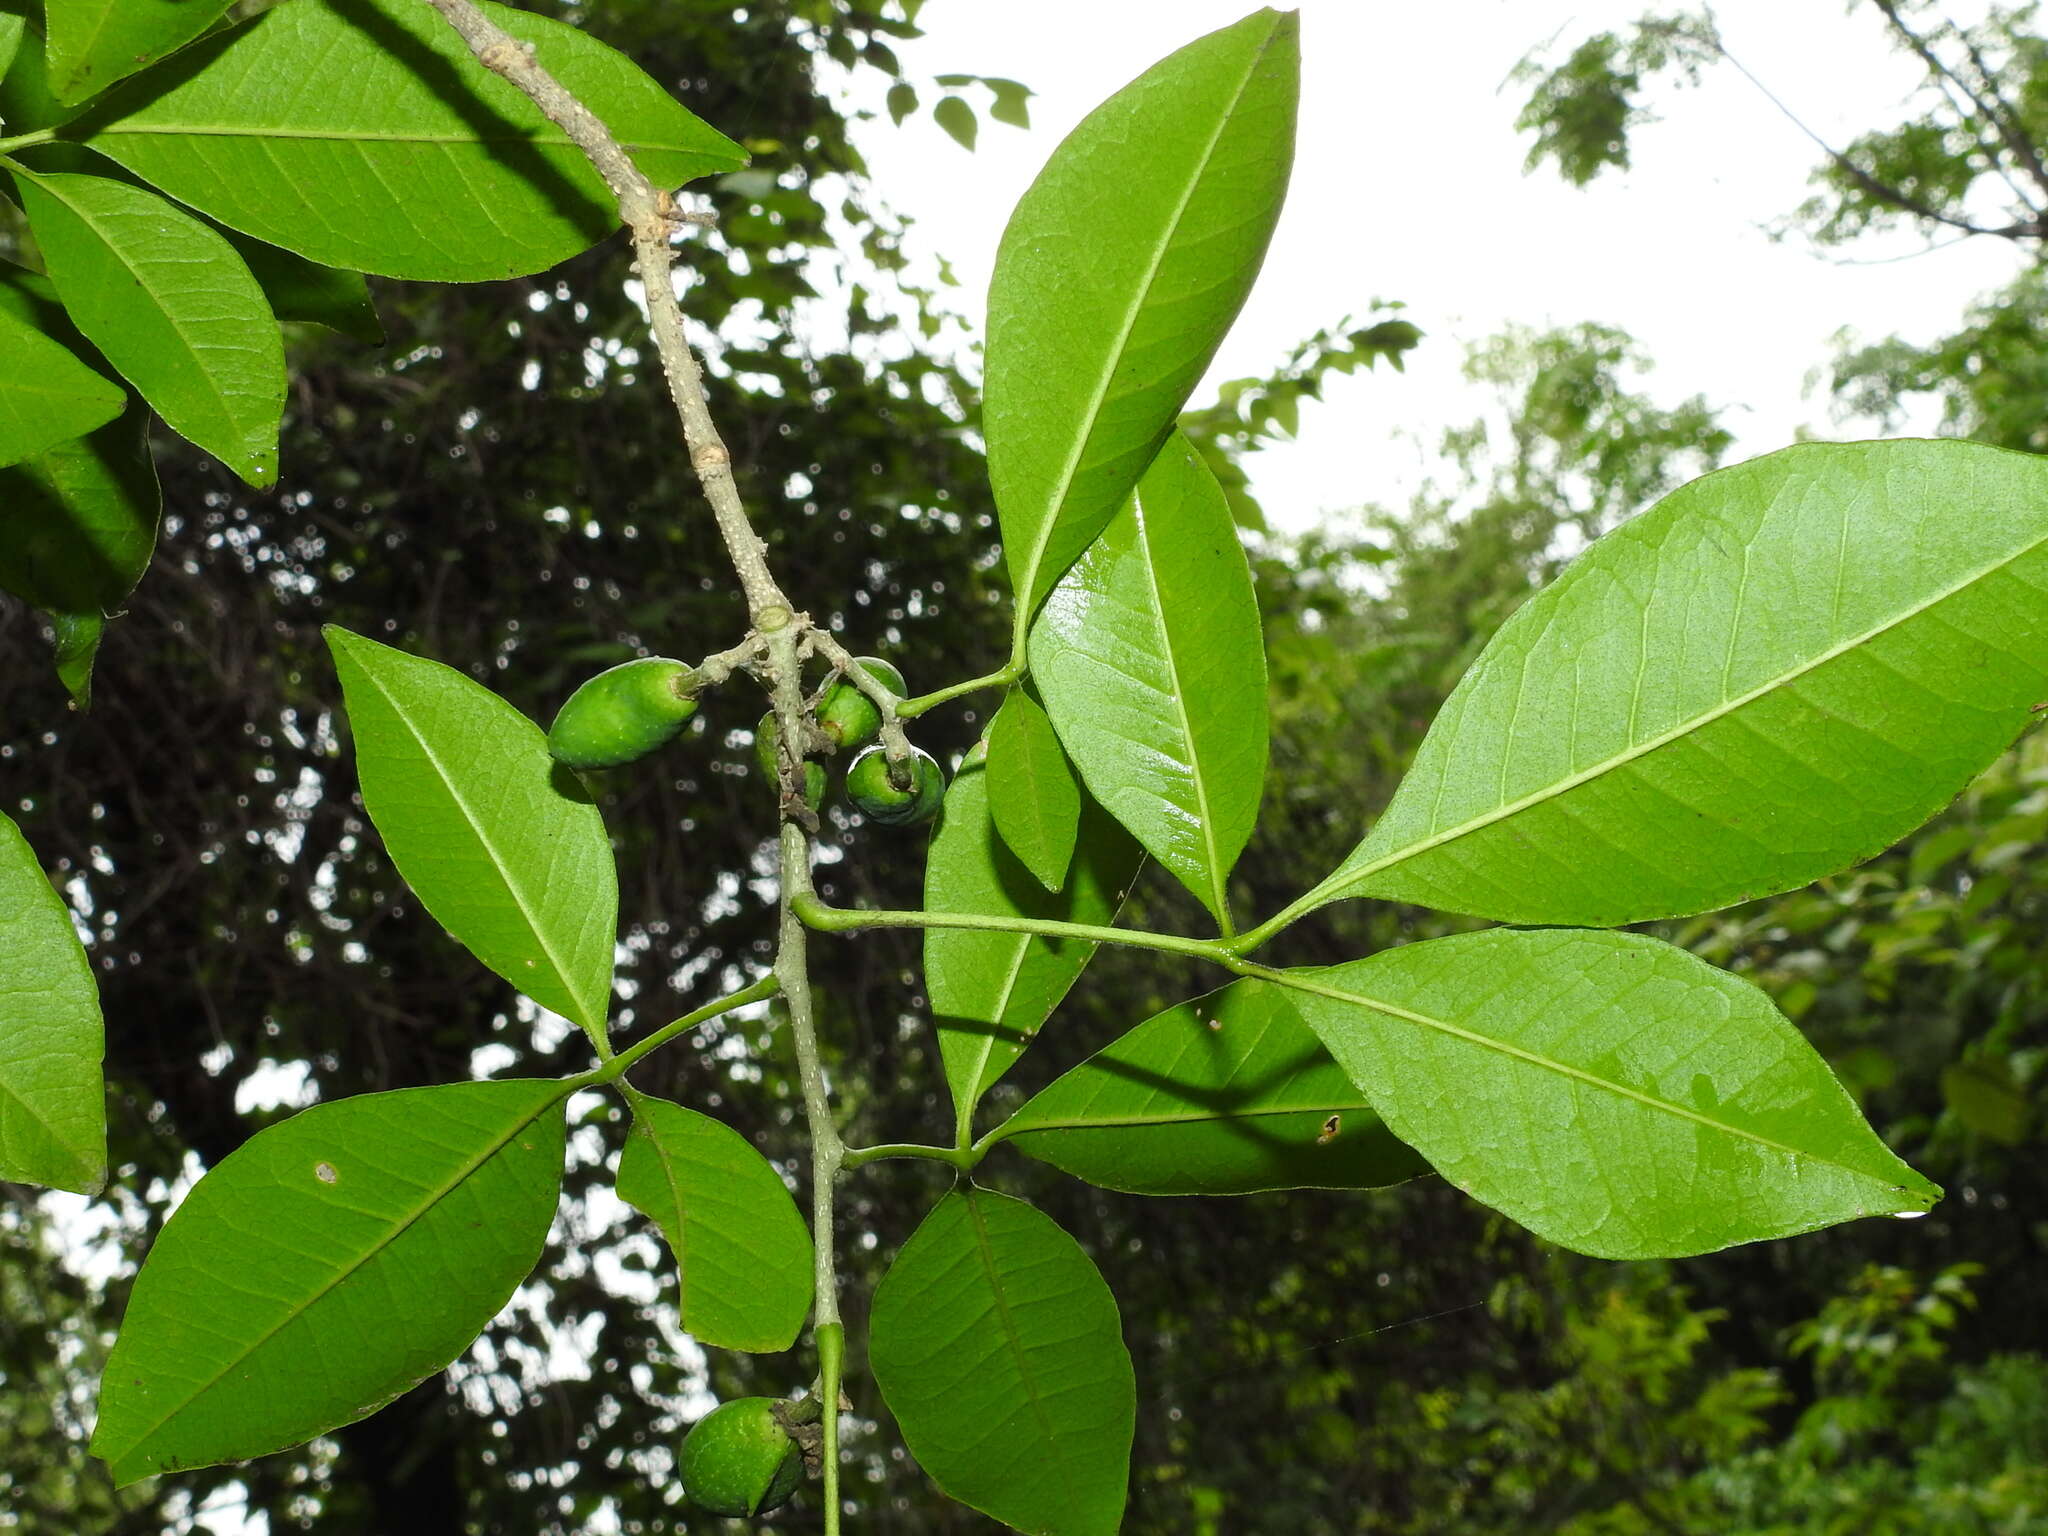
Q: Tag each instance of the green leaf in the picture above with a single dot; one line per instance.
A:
(990, 992)
(999, 1350)
(326, 1266)
(1031, 789)
(1608, 1091)
(93, 43)
(362, 134)
(172, 307)
(26, 100)
(1117, 277)
(901, 101)
(1776, 672)
(11, 30)
(1152, 664)
(1227, 1095)
(78, 645)
(46, 394)
(298, 289)
(742, 1252)
(53, 1112)
(503, 848)
(78, 523)
(1009, 104)
(957, 118)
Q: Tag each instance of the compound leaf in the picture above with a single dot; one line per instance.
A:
(998, 1348)
(742, 1252)
(503, 847)
(1607, 1090)
(1226, 1095)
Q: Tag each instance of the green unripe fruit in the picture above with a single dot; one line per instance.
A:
(739, 1460)
(876, 796)
(849, 716)
(621, 715)
(766, 736)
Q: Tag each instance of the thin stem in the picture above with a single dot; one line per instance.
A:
(650, 214)
(828, 1152)
(28, 140)
(620, 1064)
(1002, 677)
(827, 919)
(962, 1158)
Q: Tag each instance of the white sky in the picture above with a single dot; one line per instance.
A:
(1408, 184)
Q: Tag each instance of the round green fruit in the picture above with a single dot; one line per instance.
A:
(876, 796)
(849, 716)
(766, 736)
(621, 715)
(739, 1460)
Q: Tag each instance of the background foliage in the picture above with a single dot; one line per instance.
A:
(494, 487)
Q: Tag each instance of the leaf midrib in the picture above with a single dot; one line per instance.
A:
(1116, 1121)
(398, 1230)
(984, 1251)
(1562, 1069)
(470, 818)
(1213, 864)
(538, 140)
(1338, 885)
(1112, 355)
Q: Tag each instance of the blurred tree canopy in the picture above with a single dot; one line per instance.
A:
(498, 487)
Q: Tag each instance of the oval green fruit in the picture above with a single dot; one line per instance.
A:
(766, 736)
(622, 714)
(739, 1460)
(878, 798)
(849, 716)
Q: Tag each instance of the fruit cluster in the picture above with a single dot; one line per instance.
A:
(626, 713)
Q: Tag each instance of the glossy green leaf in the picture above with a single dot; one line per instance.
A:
(1226, 1095)
(53, 1116)
(78, 637)
(363, 135)
(298, 289)
(1608, 1091)
(12, 28)
(172, 306)
(1776, 672)
(326, 1266)
(998, 1348)
(26, 101)
(1117, 277)
(93, 43)
(1152, 664)
(78, 523)
(504, 848)
(742, 1252)
(1031, 789)
(990, 992)
(46, 394)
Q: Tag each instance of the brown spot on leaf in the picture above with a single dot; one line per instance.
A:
(1328, 1133)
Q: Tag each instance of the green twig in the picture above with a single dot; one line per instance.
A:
(963, 1158)
(766, 987)
(829, 919)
